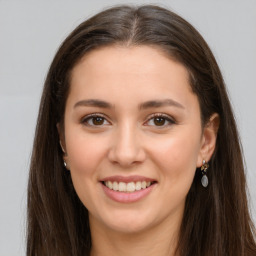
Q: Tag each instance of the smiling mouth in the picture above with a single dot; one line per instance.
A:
(127, 187)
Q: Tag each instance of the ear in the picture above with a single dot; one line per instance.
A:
(62, 137)
(63, 144)
(208, 141)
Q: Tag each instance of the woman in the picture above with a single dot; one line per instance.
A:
(136, 149)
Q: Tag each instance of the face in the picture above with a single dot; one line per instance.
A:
(133, 137)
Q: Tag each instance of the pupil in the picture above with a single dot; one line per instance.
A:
(97, 120)
(159, 121)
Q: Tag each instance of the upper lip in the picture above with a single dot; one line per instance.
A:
(126, 179)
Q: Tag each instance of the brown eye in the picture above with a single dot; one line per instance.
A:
(95, 120)
(159, 121)
(98, 120)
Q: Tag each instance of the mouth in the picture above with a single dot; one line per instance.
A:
(129, 187)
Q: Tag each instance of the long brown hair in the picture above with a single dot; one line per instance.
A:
(216, 220)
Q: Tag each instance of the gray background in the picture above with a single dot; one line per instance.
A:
(30, 33)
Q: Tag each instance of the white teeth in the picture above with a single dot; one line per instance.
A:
(127, 187)
(109, 184)
(122, 186)
(130, 187)
(138, 185)
(115, 186)
(143, 184)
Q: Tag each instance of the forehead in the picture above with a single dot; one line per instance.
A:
(138, 71)
(136, 59)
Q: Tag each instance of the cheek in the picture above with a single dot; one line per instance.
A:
(85, 153)
(177, 156)
(176, 162)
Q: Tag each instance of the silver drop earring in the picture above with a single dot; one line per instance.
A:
(65, 164)
(204, 179)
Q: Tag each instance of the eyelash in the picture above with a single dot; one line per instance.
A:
(87, 118)
(165, 117)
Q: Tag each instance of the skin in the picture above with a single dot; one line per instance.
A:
(128, 140)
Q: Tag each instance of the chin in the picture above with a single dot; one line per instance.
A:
(129, 222)
(128, 227)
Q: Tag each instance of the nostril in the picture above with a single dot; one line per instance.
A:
(126, 157)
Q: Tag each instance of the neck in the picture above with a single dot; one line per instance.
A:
(160, 240)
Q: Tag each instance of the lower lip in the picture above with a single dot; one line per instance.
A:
(127, 197)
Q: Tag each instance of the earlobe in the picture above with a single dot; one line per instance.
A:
(209, 138)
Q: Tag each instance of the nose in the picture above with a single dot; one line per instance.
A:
(127, 147)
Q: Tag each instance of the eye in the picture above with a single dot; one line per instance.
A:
(160, 120)
(95, 120)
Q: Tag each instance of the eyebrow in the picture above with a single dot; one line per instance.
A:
(144, 105)
(93, 103)
(160, 103)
